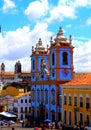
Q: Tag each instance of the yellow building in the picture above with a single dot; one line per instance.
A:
(76, 100)
(10, 92)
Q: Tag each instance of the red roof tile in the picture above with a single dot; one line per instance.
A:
(82, 80)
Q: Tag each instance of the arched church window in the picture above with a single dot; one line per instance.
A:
(53, 59)
(33, 64)
(53, 96)
(38, 95)
(33, 75)
(53, 73)
(46, 96)
(42, 96)
(65, 58)
(60, 100)
(19, 68)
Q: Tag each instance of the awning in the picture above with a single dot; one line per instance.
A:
(7, 114)
(47, 120)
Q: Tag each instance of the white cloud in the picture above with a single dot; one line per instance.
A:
(37, 9)
(3, 47)
(8, 4)
(61, 11)
(82, 56)
(67, 9)
(69, 26)
(82, 3)
(75, 3)
(17, 45)
(46, 12)
(40, 30)
(88, 22)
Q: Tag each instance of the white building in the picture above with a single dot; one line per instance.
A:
(1, 86)
(10, 104)
(22, 105)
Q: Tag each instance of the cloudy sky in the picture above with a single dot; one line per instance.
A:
(23, 22)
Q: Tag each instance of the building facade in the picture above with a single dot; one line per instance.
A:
(17, 76)
(76, 101)
(22, 105)
(50, 67)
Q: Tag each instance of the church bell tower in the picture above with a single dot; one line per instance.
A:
(61, 57)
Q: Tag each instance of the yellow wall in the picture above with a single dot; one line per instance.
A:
(77, 90)
(21, 90)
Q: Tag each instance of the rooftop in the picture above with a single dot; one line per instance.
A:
(80, 79)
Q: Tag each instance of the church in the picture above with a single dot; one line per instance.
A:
(51, 66)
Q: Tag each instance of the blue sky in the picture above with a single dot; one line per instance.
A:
(23, 22)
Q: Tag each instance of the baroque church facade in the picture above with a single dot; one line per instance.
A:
(50, 67)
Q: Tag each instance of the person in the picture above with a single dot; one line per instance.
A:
(53, 125)
(8, 124)
(35, 128)
(49, 125)
(76, 127)
(23, 123)
(60, 125)
(1, 123)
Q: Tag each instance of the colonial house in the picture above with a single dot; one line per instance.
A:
(22, 105)
(76, 101)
